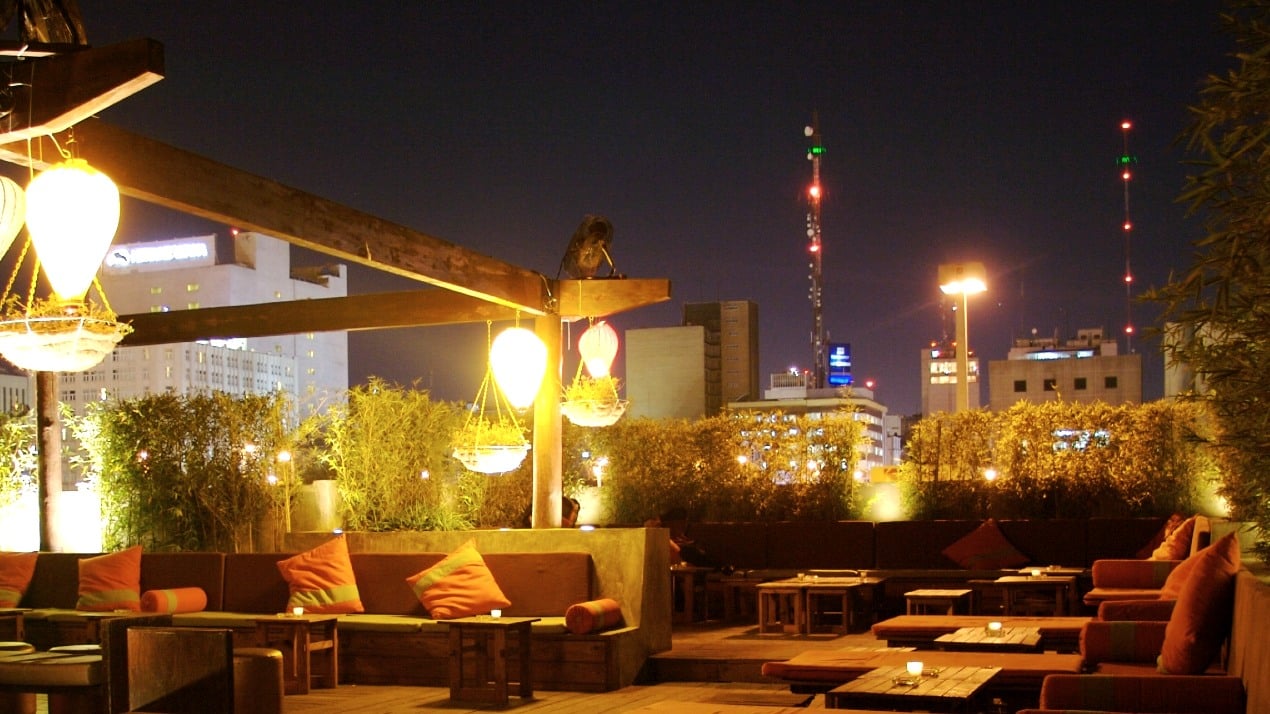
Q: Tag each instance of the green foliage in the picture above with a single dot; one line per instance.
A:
(18, 468)
(1222, 303)
(793, 467)
(592, 389)
(1059, 460)
(389, 449)
(187, 472)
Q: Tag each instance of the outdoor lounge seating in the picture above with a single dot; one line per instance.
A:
(394, 641)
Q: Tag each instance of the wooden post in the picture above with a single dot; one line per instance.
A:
(547, 452)
(49, 444)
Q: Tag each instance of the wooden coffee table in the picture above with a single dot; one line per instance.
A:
(980, 639)
(952, 689)
(480, 649)
(310, 649)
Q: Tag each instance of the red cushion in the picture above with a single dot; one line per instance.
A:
(985, 548)
(1177, 545)
(111, 581)
(321, 580)
(1205, 605)
(461, 585)
(16, 570)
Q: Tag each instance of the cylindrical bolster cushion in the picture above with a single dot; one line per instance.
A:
(592, 616)
(174, 600)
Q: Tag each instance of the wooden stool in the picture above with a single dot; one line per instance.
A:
(781, 608)
(17, 702)
(258, 685)
(937, 602)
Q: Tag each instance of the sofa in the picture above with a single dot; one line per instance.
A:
(542, 573)
(910, 554)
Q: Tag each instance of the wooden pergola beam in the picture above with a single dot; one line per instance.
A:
(414, 308)
(52, 93)
(180, 180)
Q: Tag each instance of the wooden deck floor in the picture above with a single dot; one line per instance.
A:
(709, 670)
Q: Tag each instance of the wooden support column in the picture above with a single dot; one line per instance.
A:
(547, 451)
(49, 445)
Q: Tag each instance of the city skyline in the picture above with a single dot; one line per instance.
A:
(949, 137)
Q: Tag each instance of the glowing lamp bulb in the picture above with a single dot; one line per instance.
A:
(1125, 125)
(72, 215)
(598, 347)
(813, 248)
(519, 361)
(1128, 329)
(1128, 226)
(814, 191)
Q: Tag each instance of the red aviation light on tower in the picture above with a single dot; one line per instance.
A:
(814, 191)
(813, 248)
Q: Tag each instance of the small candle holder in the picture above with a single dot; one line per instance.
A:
(297, 611)
(993, 629)
(495, 614)
(912, 674)
(1036, 572)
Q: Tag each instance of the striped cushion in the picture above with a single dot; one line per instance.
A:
(593, 616)
(321, 580)
(461, 585)
(110, 582)
(16, 570)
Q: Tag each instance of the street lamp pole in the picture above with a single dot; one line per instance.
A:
(962, 280)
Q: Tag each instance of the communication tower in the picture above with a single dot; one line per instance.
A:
(814, 194)
(1125, 161)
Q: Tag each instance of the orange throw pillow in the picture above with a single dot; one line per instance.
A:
(461, 585)
(16, 570)
(1205, 605)
(321, 580)
(985, 548)
(110, 582)
(1176, 545)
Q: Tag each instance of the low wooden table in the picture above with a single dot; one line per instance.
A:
(953, 689)
(1060, 590)
(688, 593)
(937, 602)
(11, 624)
(980, 639)
(782, 607)
(849, 597)
(480, 649)
(304, 640)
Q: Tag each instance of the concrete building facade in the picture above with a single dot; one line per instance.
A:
(731, 349)
(939, 378)
(1087, 368)
(666, 372)
(216, 271)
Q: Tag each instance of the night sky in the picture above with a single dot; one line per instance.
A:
(954, 131)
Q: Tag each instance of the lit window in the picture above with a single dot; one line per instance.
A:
(191, 306)
(191, 287)
(156, 290)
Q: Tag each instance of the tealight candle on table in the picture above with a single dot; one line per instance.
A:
(1036, 572)
(994, 628)
(914, 668)
(297, 610)
(495, 613)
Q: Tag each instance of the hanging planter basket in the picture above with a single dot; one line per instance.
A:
(594, 413)
(55, 337)
(593, 401)
(490, 443)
